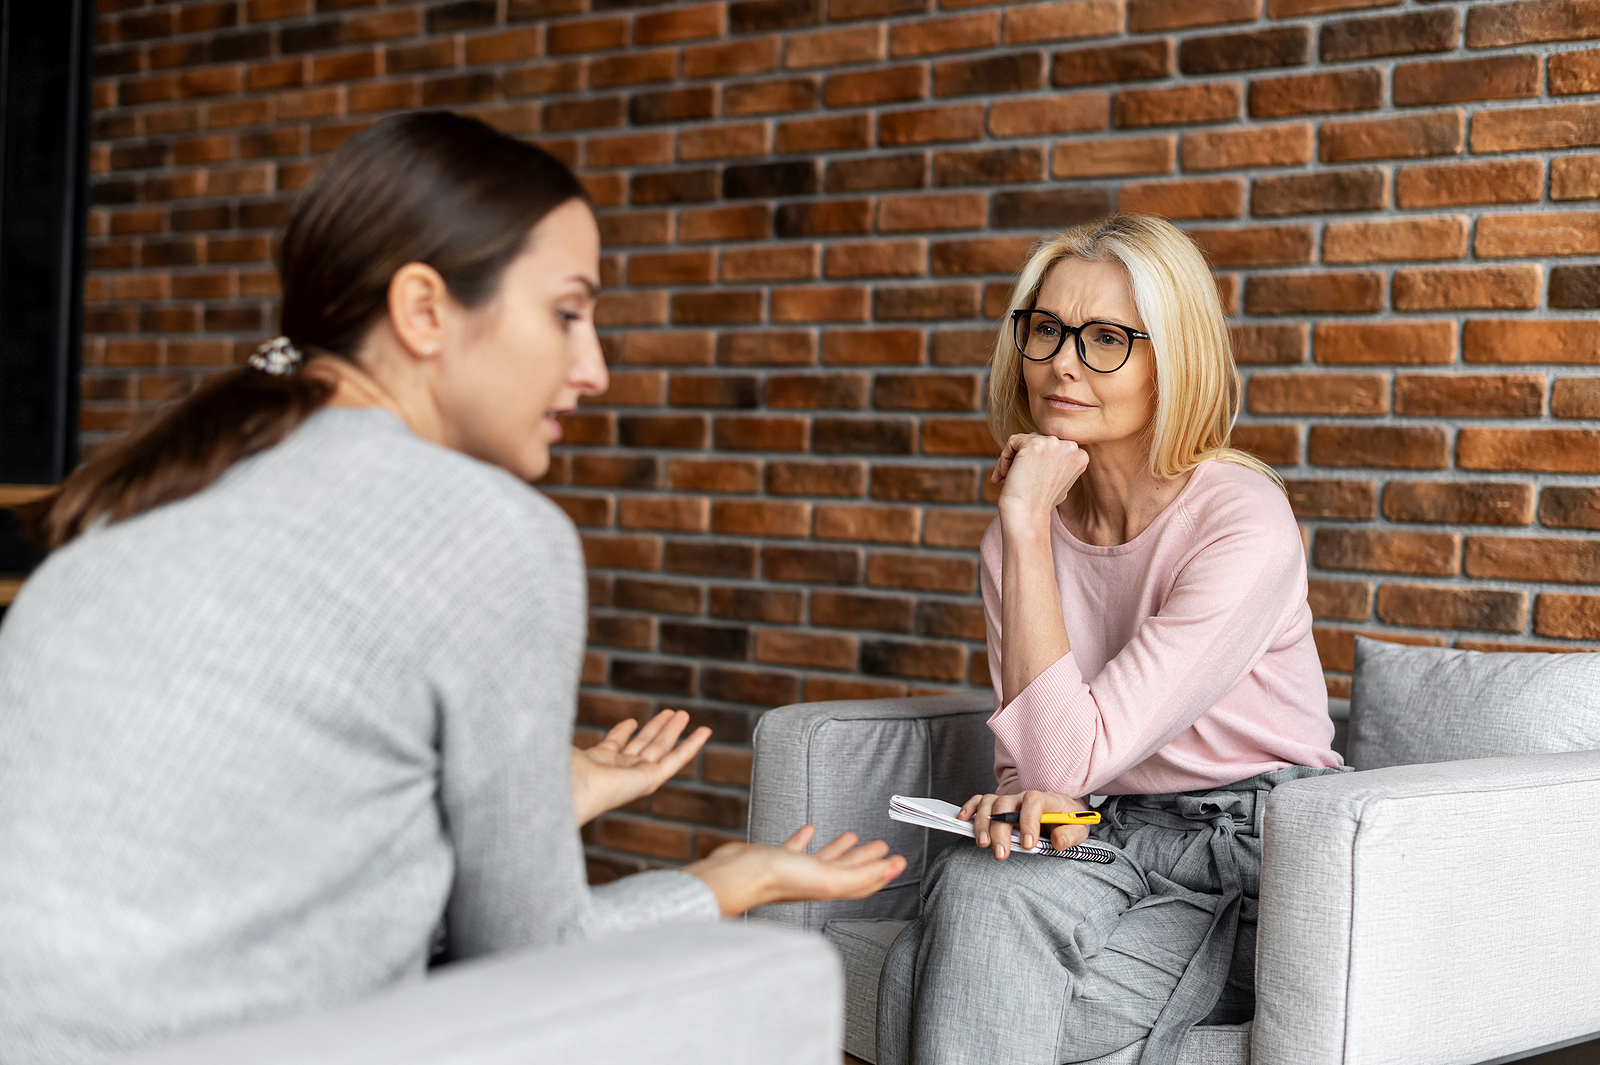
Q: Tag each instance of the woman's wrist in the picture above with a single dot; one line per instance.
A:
(739, 882)
(1024, 516)
(586, 805)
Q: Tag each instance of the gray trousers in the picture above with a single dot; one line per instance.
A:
(1041, 960)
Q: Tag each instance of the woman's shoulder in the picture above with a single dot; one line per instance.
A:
(1227, 493)
(365, 463)
(383, 445)
(1227, 500)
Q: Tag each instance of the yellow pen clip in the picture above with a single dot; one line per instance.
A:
(1075, 817)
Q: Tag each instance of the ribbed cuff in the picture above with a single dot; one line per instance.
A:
(661, 896)
(1033, 727)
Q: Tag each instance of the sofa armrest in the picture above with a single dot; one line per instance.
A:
(835, 764)
(1430, 913)
(684, 994)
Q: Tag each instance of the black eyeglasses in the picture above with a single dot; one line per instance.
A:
(1102, 346)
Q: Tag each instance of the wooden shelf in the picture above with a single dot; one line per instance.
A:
(15, 495)
(9, 587)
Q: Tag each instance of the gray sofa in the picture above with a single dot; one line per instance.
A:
(1440, 907)
(685, 995)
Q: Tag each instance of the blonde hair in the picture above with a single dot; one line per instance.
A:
(1197, 385)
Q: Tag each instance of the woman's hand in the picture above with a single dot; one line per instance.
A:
(626, 766)
(746, 875)
(980, 808)
(1038, 471)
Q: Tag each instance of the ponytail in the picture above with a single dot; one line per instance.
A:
(189, 445)
(429, 187)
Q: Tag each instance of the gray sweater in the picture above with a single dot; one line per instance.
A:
(254, 744)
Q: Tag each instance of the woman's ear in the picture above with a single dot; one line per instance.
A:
(418, 306)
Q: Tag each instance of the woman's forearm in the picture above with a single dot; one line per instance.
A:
(1033, 634)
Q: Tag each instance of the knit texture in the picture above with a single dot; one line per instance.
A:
(256, 743)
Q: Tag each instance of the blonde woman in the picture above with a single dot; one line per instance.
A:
(1150, 641)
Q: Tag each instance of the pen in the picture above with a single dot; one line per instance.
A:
(1076, 817)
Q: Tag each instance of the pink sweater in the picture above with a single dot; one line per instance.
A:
(1192, 663)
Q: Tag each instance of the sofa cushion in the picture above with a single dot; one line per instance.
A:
(1410, 705)
(862, 946)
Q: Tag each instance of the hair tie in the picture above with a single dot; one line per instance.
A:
(277, 356)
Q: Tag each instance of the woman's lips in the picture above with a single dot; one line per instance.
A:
(1064, 403)
(553, 421)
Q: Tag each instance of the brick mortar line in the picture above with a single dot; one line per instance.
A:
(1450, 636)
(762, 665)
(1316, 20)
(1385, 65)
(1450, 424)
(763, 584)
(1092, 183)
(1244, 121)
(750, 539)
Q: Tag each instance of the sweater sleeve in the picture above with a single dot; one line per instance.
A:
(1073, 734)
(506, 696)
(1005, 766)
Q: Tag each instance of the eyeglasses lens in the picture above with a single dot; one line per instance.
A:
(1039, 336)
(1105, 347)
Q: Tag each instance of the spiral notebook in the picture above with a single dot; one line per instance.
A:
(941, 815)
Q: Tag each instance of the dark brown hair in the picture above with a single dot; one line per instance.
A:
(429, 187)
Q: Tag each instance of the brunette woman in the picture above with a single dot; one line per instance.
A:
(298, 680)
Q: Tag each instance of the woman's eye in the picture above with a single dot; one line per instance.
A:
(1108, 338)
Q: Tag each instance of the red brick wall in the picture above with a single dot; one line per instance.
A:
(811, 209)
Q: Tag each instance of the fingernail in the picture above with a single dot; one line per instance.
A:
(983, 839)
(1027, 841)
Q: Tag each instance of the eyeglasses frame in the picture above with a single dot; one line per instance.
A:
(1077, 338)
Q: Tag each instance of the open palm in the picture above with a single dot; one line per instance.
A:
(746, 875)
(627, 765)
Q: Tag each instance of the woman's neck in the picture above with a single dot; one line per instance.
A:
(378, 377)
(1117, 497)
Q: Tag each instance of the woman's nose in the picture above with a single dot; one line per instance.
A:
(589, 374)
(1067, 363)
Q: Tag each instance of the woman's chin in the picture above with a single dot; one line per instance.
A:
(530, 463)
(1078, 429)
(534, 467)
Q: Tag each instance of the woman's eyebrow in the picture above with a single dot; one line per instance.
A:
(590, 285)
(1100, 317)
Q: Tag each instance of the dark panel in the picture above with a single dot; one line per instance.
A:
(17, 553)
(45, 58)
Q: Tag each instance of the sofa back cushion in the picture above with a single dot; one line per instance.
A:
(1432, 704)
